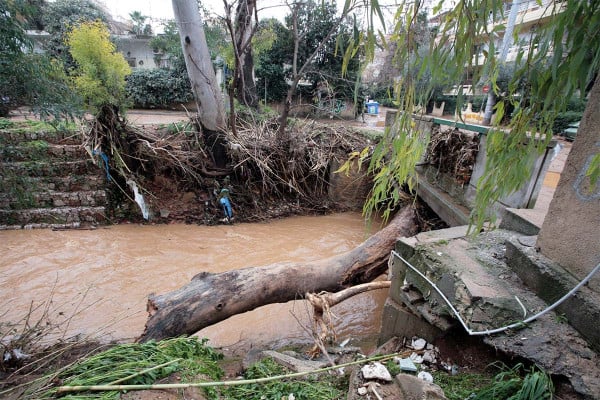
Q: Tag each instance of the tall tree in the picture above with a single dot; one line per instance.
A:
(561, 59)
(140, 27)
(270, 62)
(211, 112)
(60, 16)
(243, 32)
(27, 78)
(314, 28)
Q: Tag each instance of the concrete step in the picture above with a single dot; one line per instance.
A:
(472, 272)
(40, 168)
(46, 217)
(42, 150)
(53, 199)
(19, 135)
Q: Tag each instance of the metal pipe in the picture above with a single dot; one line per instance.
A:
(504, 328)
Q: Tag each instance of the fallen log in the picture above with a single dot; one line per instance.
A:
(211, 298)
(322, 321)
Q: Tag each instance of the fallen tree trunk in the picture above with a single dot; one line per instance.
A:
(211, 298)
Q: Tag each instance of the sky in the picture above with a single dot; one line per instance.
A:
(162, 9)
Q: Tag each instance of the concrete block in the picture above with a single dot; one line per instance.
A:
(524, 221)
(550, 282)
(442, 204)
(397, 321)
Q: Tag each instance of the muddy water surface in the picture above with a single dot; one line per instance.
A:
(101, 278)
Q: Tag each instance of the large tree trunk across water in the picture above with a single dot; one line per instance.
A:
(211, 298)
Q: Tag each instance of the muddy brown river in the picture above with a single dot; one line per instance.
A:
(98, 280)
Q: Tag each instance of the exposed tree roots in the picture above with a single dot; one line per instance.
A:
(260, 171)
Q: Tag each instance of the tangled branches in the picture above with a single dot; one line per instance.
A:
(453, 152)
(260, 170)
(298, 168)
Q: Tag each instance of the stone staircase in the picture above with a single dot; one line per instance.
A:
(47, 180)
(492, 282)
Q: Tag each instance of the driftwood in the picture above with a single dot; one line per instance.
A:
(322, 303)
(211, 298)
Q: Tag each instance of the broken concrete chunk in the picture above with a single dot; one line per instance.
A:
(417, 359)
(418, 343)
(376, 370)
(406, 364)
(362, 391)
(429, 356)
(425, 376)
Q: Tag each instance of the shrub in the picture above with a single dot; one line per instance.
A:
(564, 119)
(158, 88)
(101, 70)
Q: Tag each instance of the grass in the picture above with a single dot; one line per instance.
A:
(322, 387)
(139, 364)
(516, 383)
(36, 125)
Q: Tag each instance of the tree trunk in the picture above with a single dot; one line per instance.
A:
(245, 85)
(211, 298)
(211, 112)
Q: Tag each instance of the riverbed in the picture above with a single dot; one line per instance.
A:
(96, 282)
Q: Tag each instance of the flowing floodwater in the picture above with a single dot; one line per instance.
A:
(99, 280)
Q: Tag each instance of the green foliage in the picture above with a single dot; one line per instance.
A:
(158, 88)
(314, 21)
(510, 385)
(6, 123)
(593, 172)
(558, 62)
(462, 385)
(188, 356)
(101, 70)
(27, 78)
(140, 27)
(564, 119)
(393, 161)
(507, 384)
(320, 387)
(60, 16)
(269, 63)
(169, 43)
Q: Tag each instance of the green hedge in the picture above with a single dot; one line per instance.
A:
(563, 120)
(158, 88)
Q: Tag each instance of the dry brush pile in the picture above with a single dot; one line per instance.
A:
(262, 170)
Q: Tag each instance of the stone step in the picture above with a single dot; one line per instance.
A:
(475, 287)
(42, 151)
(16, 136)
(53, 199)
(39, 168)
(45, 217)
(73, 183)
(473, 273)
